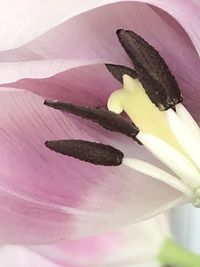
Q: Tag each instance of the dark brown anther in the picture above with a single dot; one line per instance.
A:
(118, 71)
(107, 119)
(95, 153)
(154, 74)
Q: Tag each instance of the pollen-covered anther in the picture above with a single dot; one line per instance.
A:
(95, 153)
(119, 70)
(105, 118)
(154, 74)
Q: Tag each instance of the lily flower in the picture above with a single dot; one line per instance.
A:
(146, 244)
(46, 197)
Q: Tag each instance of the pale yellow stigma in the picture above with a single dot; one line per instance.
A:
(133, 99)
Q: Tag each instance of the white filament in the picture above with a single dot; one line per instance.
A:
(159, 174)
(188, 120)
(184, 137)
(176, 161)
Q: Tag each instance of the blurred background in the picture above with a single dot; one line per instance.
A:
(185, 224)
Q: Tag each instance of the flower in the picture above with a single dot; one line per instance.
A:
(146, 244)
(46, 197)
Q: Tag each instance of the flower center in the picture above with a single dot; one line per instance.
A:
(133, 99)
(164, 133)
(151, 97)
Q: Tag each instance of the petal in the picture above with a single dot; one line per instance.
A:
(46, 197)
(12, 256)
(183, 13)
(82, 85)
(99, 43)
(20, 19)
(22, 23)
(136, 245)
(99, 38)
(77, 85)
(14, 71)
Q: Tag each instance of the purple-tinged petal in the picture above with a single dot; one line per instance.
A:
(82, 85)
(17, 256)
(90, 84)
(46, 197)
(20, 19)
(99, 26)
(99, 43)
(38, 69)
(136, 245)
(187, 15)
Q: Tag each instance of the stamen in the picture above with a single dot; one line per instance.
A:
(175, 160)
(184, 137)
(165, 134)
(107, 119)
(157, 173)
(95, 153)
(154, 74)
(118, 71)
(188, 120)
(172, 137)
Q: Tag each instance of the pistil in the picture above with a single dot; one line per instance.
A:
(133, 99)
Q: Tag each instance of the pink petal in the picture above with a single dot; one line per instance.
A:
(183, 14)
(136, 245)
(14, 71)
(16, 256)
(95, 89)
(99, 43)
(46, 197)
(78, 85)
(21, 19)
(99, 38)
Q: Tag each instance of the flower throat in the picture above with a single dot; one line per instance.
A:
(151, 98)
